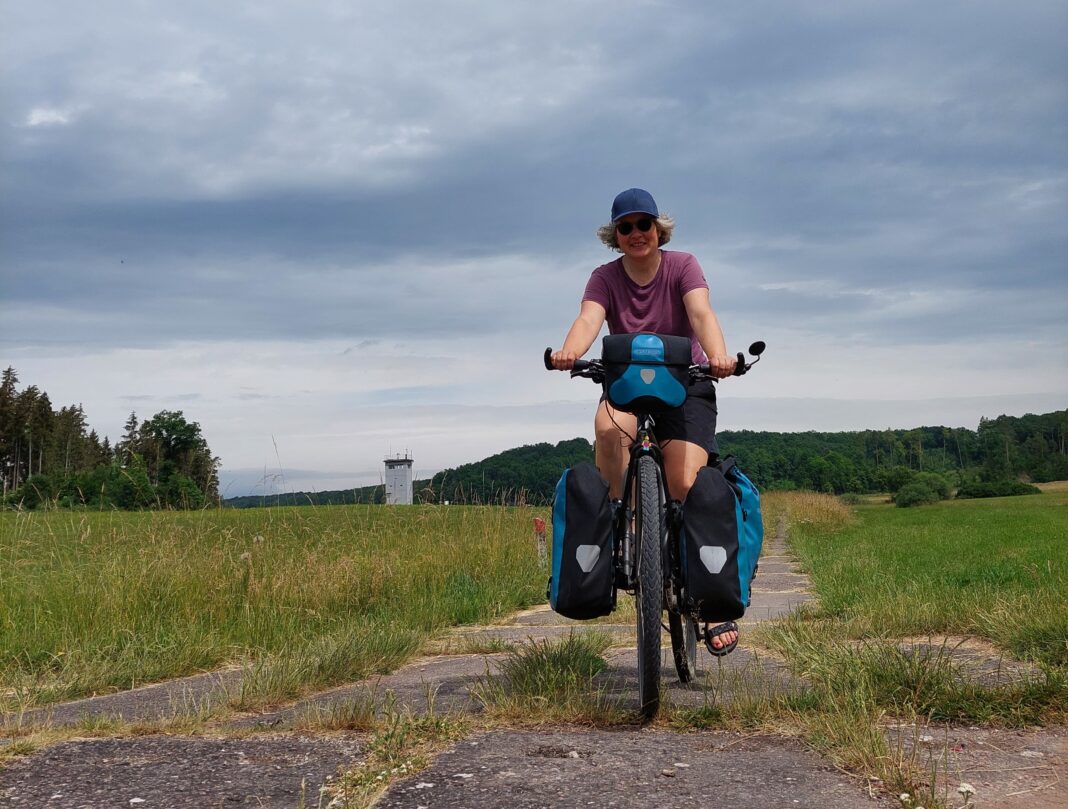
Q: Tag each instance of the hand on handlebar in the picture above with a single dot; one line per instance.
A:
(722, 365)
(563, 360)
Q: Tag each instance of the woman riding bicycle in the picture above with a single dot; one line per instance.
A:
(653, 290)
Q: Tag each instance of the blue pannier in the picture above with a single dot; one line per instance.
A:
(721, 537)
(582, 584)
(646, 372)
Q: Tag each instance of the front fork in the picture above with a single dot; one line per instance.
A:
(626, 510)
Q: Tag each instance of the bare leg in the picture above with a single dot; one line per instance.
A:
(614, 430)
(682, 462)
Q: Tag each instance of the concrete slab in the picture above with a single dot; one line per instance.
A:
(1009, 769)
(768, 582)
(443, 682)
(147, 703)
(178, 773)
(770, 606)
(626, 768)
(744, 673)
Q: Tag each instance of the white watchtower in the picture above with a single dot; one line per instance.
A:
(399, 481)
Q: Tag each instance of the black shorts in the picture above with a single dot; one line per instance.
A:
(694, 421)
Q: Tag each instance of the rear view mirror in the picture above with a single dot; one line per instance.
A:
(757, 348)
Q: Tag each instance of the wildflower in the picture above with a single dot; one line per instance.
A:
(903, 797)
(966, 789)
(246, 556)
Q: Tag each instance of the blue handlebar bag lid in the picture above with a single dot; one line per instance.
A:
(646, 372)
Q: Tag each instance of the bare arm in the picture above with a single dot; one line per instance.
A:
(581, 335)
(705, 326)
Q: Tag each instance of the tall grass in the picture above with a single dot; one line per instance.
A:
(552, 681)
(993, 568)
(302, 597)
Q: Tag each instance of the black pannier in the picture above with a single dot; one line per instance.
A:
(722, 534)
(646, 372)
(582, 584)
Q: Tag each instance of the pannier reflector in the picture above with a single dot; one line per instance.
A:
(713, 557)
(587, 556)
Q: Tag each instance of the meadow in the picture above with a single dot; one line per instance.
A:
(995, 569)
(302, 597)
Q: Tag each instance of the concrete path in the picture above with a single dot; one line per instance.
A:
(633, 768)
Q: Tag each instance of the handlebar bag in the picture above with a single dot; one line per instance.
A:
(720, 541)
(582, 584)
(646, 373)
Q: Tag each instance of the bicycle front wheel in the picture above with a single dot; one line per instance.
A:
(649, 592)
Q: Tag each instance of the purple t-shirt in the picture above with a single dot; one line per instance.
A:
(657, 306)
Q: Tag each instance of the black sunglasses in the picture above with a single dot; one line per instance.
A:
(624, 228)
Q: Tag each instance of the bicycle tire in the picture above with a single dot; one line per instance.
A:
(683, 630)
(649, 593)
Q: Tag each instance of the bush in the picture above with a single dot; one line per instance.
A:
(179, 491)
(922, 488)
(997, 488)
(851, 498)
(38, 490)
(915, 494)
(933, 481)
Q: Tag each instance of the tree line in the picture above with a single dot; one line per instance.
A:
(52, 458)
(1029, 448)
(1004, 449)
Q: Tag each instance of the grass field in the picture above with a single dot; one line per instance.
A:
(995, 568)
(305, 597)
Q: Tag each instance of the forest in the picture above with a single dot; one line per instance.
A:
(1007, 448)
(50, 458)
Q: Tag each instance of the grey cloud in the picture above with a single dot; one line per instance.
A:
(210, 183)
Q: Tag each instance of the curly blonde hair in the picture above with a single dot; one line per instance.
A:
(665, 226)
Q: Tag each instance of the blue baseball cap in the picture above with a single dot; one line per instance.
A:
(633, 200)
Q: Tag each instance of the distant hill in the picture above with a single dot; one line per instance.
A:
(1031, 448)
(525, 474)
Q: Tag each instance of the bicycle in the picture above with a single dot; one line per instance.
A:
(646, 532)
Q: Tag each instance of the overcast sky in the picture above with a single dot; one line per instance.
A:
(331, 231)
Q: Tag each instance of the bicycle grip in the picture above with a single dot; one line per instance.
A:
(740, 367)
(549, 360)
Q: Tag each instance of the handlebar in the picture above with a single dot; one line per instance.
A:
(594, 369)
